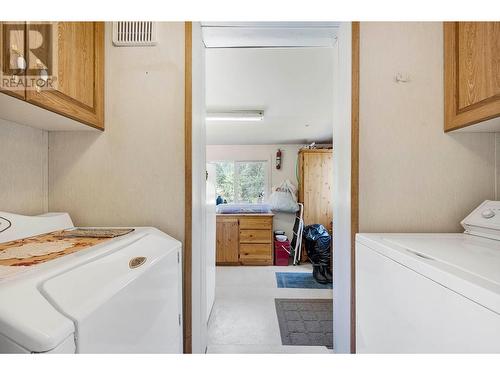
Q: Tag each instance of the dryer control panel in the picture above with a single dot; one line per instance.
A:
(484, 221)
(4, 224)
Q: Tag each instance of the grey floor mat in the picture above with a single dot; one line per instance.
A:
(305, 322)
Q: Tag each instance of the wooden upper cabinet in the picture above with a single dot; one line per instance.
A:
(12, 56)
(68, 71)
(471, 73)
(58, 66)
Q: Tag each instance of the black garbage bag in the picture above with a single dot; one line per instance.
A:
(318, 242)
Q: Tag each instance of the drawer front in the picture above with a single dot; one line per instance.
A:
(264, 222)
(256, 254)
(255, 236)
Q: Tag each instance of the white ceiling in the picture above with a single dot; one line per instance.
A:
(294, 87)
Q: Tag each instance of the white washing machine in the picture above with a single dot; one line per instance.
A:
(431, 293)
(123, 295)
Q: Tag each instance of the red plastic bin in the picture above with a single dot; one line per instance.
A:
(281, 253)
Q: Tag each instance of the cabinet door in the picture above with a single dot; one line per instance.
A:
(12, 58)
(66, 69)
(227, 240)
(471, 72)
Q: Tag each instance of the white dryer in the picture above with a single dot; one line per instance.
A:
(123, 295)
(431, 293)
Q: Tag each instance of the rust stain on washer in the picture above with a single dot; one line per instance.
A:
(136, 262)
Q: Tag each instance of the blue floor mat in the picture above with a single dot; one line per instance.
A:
(303, 280)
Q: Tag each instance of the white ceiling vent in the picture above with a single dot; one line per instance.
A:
(130, 34)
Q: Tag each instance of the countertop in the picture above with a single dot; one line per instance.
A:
(249, 214)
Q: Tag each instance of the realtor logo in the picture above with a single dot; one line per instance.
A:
(29, 56)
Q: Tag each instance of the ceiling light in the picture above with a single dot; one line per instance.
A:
(235, 116)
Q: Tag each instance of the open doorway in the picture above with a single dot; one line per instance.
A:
(200, 272)
(269, 131)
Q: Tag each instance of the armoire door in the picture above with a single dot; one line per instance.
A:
(317, 188)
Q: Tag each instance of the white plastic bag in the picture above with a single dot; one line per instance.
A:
(284, 198)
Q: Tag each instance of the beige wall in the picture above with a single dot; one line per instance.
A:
(23, 169)
(282, 221)
(413, 177)
(133, 173)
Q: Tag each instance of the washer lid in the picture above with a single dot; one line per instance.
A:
(120, 298)
(467, 264)
(29, 320)
(81, 291)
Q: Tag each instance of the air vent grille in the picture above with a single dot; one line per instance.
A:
(129, 34)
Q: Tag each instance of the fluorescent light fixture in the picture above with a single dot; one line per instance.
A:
(235, 116)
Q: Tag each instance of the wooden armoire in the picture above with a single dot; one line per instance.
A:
(315, 186)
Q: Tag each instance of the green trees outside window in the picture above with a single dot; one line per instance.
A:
(241, 181)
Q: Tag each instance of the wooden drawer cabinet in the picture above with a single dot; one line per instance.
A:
(255, 236)
(256, 223)
(471, 73)
(244, 239)
(255, 253)
(64, 67)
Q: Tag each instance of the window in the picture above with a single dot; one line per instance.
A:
(241, 181)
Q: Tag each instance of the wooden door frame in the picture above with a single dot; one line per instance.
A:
(354, 172)
(187, 251)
